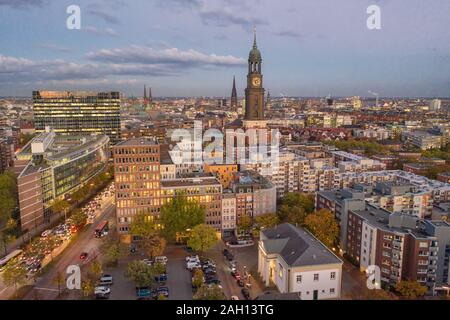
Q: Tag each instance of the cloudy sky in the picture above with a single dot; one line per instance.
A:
(194, 47)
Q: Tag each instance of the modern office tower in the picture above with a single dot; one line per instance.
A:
(57, 165)
(78, 113)
(137, 180)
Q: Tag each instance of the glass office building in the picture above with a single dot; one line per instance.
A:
(78, 113)
(58, 165)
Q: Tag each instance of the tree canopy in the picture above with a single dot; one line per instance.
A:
(141, 273)
(202, 238)
(294, 207)
(410, 289)
(323, 226)
(180, 215)
(213, 292)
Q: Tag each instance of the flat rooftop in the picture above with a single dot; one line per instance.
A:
(137, 142)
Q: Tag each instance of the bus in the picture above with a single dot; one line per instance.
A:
(4, 261)
(102, 229)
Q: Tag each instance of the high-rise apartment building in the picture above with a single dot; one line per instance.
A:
(78, 113)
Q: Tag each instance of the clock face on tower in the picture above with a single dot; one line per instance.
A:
(256, 82)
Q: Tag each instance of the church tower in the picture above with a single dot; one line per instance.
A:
(254, 93)
(234, 99)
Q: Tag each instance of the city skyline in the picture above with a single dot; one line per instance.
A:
(308, 49)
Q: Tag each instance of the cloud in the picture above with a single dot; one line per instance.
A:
(54, 47)
(169, 56)
(101, 32)
(289, 33)
(107, 63)
(99, 13)
(219, 15)
(226, 17)
(23, 3)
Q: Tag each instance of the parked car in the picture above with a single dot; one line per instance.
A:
(229, 257)
(225, 252)
(162, 291)
(193, 258)
(236, 274)
(106, 279)
(161, 278)
(246, 293)
(102, 290)
(213, 281)
(192, 265)
(143, 292)
(240, 283)
(161, 259)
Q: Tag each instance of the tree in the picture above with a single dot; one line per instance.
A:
(244, 224)
(213, 292)
(411, 289)
(323, 226)
(5, 240)
(6, 235)
(180, 215)
(87, 287)
(24, 138)
(79, 218)
(95, 270)
(367, 294)
(198, 278)
(141, 273)
(300, 203)
(202, 238)
(145, 228)
(14, 275)
(59, 281)
(112, 249)
(267, 220)
(60, 206)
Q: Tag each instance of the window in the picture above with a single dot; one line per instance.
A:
(423, 245)
(299, 278)
(332, 291)
(316, 277)
(333, 275)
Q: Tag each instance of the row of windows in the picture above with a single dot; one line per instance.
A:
(133, 151)
(315, 277)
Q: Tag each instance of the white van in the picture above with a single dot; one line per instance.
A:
(161, 259)
(192, 264)
(106, 280)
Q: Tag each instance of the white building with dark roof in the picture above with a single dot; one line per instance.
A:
(294, 261)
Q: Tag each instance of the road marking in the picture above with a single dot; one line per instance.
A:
(47, 289)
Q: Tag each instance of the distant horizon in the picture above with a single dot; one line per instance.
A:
(242, 97)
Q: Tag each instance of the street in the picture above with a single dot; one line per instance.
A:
(44, 286)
